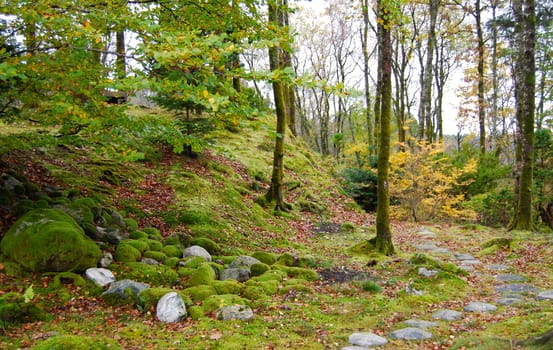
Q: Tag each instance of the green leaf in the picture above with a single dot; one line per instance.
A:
(29, 294)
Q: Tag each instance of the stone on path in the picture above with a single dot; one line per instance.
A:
(367, 339)
(546, 295)
(420, 324)
(467, 268)
(471, 262)
(411, 333)
(478, 306)
(102, 277)
(426, 233)
(510, 277)
(423, 271)
(447, 315)
(497, 267)
(516, 288)
(508, 301)
(170, 308)
(462, 257)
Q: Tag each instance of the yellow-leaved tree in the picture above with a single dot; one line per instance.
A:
(427, 184)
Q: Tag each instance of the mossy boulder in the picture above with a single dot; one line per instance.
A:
(227, 287)
(214, 302)
(287, 259)
(199, 293)
(127, 253)
(14, 309)
(192, 262)
(204, 274)
(270, 287)
(155, 275)
(153, 244)
(153, 233)
(171, 262)
(259, 269)
(172, 251)
(140, 244)
(77, 342)
(265, 257)
(254, 293)
(138, 235)
(299, 272)
(272, 275)
(208, 244)
(50, 240)
(156, 255)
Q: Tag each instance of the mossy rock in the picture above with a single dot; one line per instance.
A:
(208, 244)
(155, 275)
(254, 293)
(301, 288)
(172, 251)
(12, 269)
(131, 223)
(14, 310)
(270, 287)
(287, 259)
(496, 244)
(138, 235)
(295, 281)
(272, 275)
(195, 312)
(149, 297)
(227, 287)
(225, 259)
(68, 278)
(176, 240)
(306, 261)
(127, 253)
(215, 302)
(156, 255)
(259, 269)
(77, 342)
(171, 262)
(153, 233)
(265, 257)
(426, 261)
(153, 244)
(204, 274)
(139, 244)
(185, 272)
(50, 240)
(200, 293)
(192, 262)
(299, 272)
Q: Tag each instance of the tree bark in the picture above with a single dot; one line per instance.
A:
(366, 57)
(480, 69)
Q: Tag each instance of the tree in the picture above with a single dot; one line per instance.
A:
(524, 80)
(383, 241)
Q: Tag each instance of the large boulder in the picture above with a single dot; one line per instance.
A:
(49, 240)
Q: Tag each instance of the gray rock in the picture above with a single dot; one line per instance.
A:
(516, 288)
(367, 339)
(102, 277)
(467, 268)
(508, 301)
(12, 184)
(420, 324)
(196, 250)
(423, 271)
(116, 218)
(110, 234)
(497, 267)
(471, 262)
(170, 308)
(239, 274)
(426, 233)
(235, 312)
(354, 347)
(149, 261)
(510, 277)
(546, 295)
(119, 287)
(477, 306)
(447, 315)
(411, 333)
(426, 246)
(107, 259)
(244, 261)
(463, 257)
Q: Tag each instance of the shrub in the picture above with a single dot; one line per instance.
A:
(361, 186)
(372, 287)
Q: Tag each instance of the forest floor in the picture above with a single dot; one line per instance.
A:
(359, 290)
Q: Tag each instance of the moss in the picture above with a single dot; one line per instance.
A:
(141, 245)
(138, 235)
(265, 257)
(215, 302)
(159, 256)
(171, 261)
(348, 227)
(295, 281)
(195, 312)
(68, 277)
(287, 259)
(153, 233)
(12, 269)
(196, 217)
(299, 272)
(272, 275)
(185, 272)
(227, 287)
(155, 275)
(254, 293)
(148, 298)
(50, 240)
(77, 342)
(258, 269)
(199, 293)
(426, 261)
(270, 287)
(172, 251)
(496, 244)
(204, 274)
(295, 288)
(371, 287)
(207, 244)
(152, 244)
(14, 309)
(193, 262)
(131, 223)
(227, 259)
(174, 240)
(127, 253)
(306, 261)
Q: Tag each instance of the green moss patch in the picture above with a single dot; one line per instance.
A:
(75, 342)
(227, 287)
(172, 250)
(206, 243)
(200, 293)
(15, 309)
(204, 274)
(127, 253)
(265, 257)
(215, 302)
(155, 275)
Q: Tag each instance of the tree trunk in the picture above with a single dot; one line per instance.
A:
(525, 79)
(366, 57)
(120, 62)
(480, 69)
(384, 242)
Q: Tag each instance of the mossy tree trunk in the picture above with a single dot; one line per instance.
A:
(384, 242)
(525, 79)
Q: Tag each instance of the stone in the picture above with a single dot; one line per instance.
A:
(49, 240)
(107, 259)
(516, 288)
(244, 261)
(238, 274)
(11, 184)
(462, 257)
(110, 234)
(355, 348)
(467, 268)
(420, 324)
(118, 288)
(411, 333)
(426, 233)
(497, 267)
(477, 306)
(196, 250)
(508, 301)
(426, 246)
(546, 295)
(447, 315)
(149, 261)
(367, 339)
(235, 312)
(510, 277)
(423, 271)
(170, 308)
(102, 277)
(471, 262)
